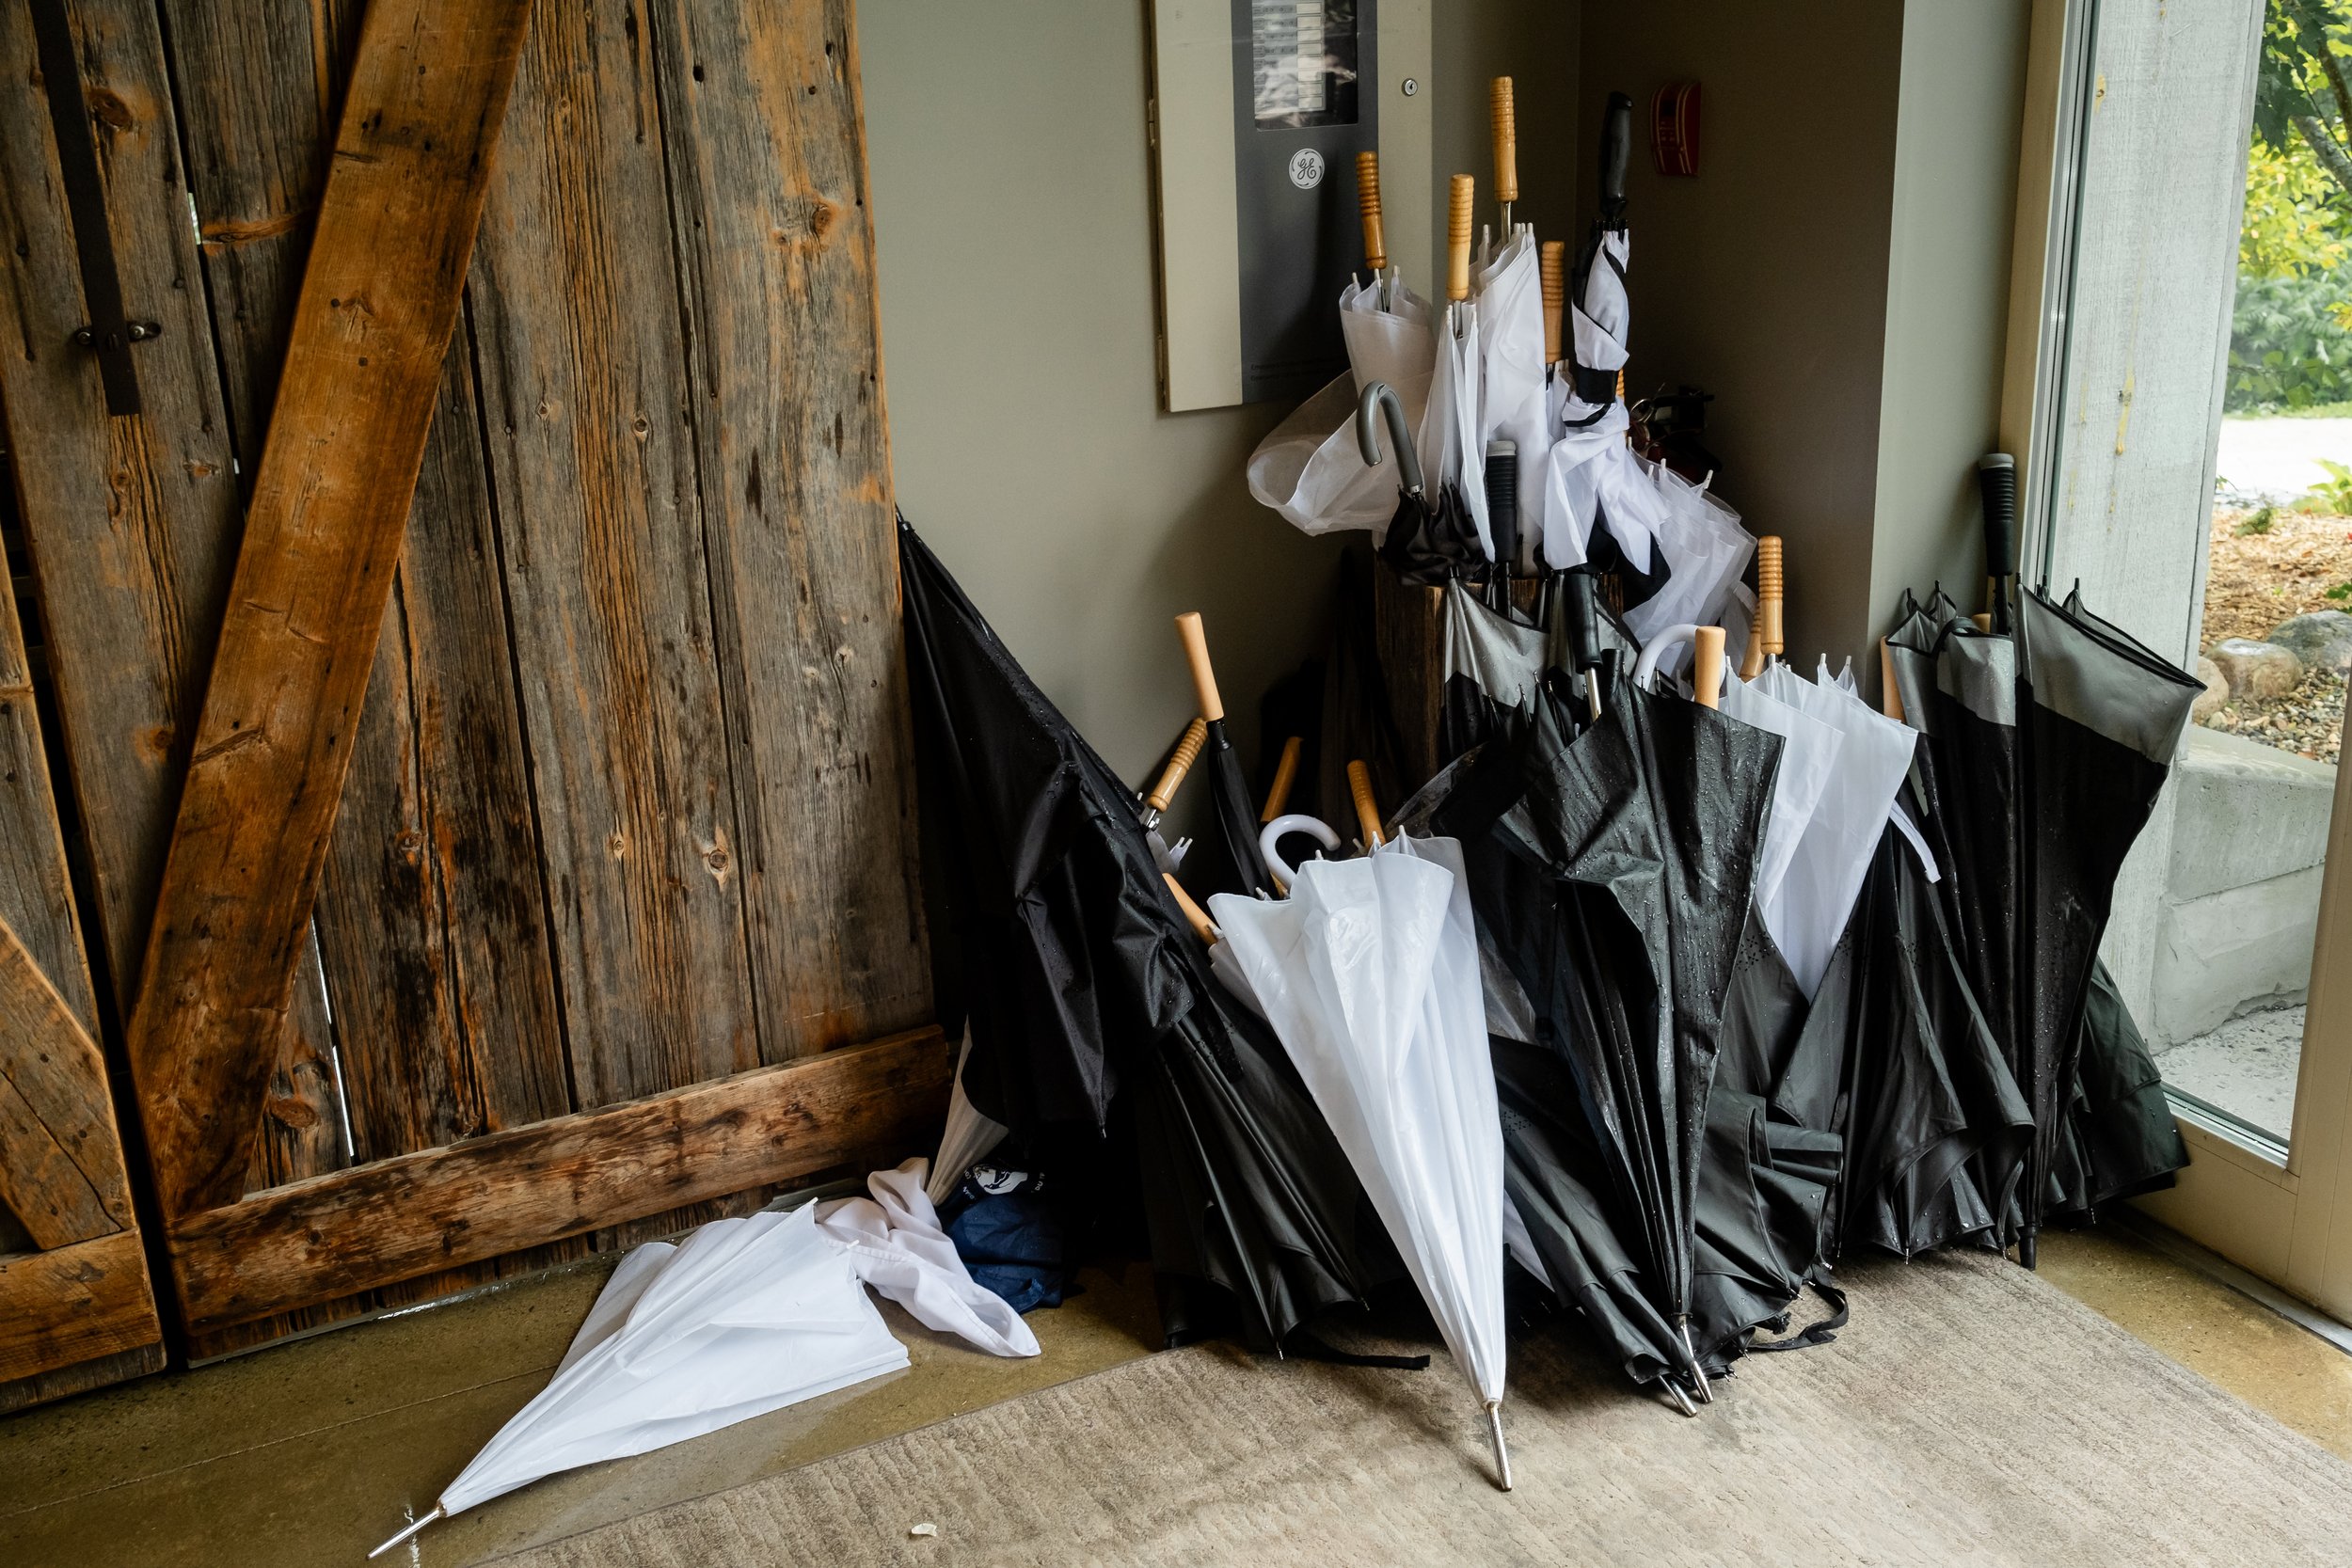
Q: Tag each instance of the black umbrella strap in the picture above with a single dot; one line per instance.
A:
(1306, 1347)
(1819, 1333)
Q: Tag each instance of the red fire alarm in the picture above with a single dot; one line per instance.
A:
(1674, 121)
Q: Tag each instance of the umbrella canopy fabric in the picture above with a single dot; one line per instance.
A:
(1825, 874)
(1809, 754)
(1080, 978)
(1493, 666)
(1308, 467)
(2100, 721)
(1938, 1127)
(1511, 382)
(743, 1317)
(1561, 1188)
(1368, 974)
(1614, 872)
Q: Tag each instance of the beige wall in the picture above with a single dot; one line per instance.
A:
(1011, 211)
(1963, 83)
(1836, 273)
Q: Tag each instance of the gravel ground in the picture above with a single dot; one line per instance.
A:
(2254, 582)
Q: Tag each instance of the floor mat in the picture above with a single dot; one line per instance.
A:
(1971, 1415)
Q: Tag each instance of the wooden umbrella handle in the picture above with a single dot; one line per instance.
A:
(1178, 763)
(1752, 661)
(1461, 195)
(1277, 800)
(1767, 595)
(1707, 666)
(1368, 200)
(1505, 122)
(1197, 655)
(1890, 694)
(1367, 810)
(1195, 916)
(1551, 261)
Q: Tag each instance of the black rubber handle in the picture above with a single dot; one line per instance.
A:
(1616, 152)
(1583, 621)
(1503, 502)
(1997, 481)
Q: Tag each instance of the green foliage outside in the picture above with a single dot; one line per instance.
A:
(2290, 335)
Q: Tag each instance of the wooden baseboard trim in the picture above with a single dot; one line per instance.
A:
(354, 1230)
(73, 1304)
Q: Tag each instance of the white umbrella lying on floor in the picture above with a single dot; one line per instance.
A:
(1368, 973)
(743, 1317)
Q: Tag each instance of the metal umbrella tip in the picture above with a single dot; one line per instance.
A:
(1502, 1453)
(439, 1513)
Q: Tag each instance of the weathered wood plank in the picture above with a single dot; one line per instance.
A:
(354, 1230)
(583, 384)
(80, 1378)
(131, 523)
(75, 1305)
(430, 916)
(380, 292)
(35, 890)
(124, 518)
(768, 157)
(60, 1158)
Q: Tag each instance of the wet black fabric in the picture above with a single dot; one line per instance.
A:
(1612, 873)
(1775, 1146)
(1358, 724)
(1938, 1127)
(1558, 1182)
(2099, 720)
(2120, 1138)
(1225, 858)
(1055, 936)
(1428, 544)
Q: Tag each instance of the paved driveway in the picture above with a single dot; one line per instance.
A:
(2277, 459)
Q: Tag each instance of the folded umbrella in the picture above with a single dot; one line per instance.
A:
(744, 1316)
(2100, 719)
(1232, 863)
(1613, 869)
(1057, 936)
(1368, 974)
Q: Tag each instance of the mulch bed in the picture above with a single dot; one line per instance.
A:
(2253, 581)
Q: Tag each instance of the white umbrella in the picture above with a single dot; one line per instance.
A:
(1308, 467)
(1705, 550)
(1809, 755)
(744, 1316)
(1368, 973)
(1825, 876)
(1512, 394)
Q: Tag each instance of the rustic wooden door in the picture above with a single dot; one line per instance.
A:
(487, 708)
(75, 1306)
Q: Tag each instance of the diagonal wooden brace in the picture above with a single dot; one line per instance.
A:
(379, 297)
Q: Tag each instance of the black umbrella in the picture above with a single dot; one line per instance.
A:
(1613, 870)
(2100, 719)
(1494, 663)
(1091, 1006)
(1431, 539)
(1937, 1125)
(1232, 863)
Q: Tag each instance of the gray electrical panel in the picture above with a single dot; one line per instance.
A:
(1259, 108)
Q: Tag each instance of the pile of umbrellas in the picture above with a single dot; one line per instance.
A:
(1676, 983)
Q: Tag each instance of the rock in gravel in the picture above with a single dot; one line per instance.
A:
(2258, 669)
(2322, 640)
(2217, 689)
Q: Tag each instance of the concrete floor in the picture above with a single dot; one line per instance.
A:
(311, 1453)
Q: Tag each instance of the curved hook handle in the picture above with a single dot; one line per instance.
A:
(1380, 398)
(1645, 666)
(1268, 841)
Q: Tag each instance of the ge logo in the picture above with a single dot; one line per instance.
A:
(1306, 168)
